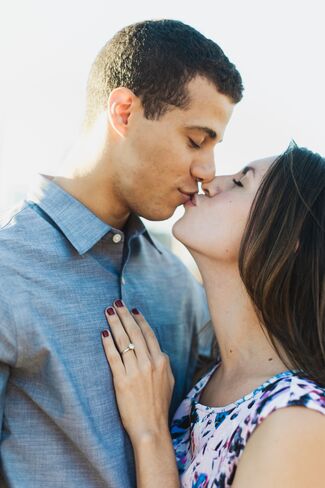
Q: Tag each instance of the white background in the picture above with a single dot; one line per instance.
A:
(46, 48)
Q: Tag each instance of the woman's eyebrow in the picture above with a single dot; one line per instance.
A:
(248, 168)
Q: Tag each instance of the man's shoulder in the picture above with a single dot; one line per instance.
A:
(21, 221)
(13, 218)
(19, 231)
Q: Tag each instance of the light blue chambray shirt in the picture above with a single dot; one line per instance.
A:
(60, 267)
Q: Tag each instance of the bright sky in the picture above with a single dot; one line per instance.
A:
(46, 49)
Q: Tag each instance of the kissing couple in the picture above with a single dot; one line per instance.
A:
(101, 326)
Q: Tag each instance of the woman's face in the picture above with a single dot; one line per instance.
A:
(215, 224)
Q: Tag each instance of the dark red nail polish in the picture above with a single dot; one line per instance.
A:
(105, 333)
(110, 311)
(135, 311)
(118, 303)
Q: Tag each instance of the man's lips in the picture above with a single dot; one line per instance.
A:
(188, 198)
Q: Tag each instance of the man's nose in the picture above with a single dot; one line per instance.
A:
(204, 170)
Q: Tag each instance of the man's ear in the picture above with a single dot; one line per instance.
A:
(120, 103)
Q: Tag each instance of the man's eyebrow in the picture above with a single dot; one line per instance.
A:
(211, 133)
(248, 168)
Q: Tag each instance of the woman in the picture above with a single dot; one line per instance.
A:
(258, 238)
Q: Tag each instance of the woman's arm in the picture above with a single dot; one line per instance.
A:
(143, 384)
(286, 451)
(155, 462)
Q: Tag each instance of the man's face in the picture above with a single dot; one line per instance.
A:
(160, 161)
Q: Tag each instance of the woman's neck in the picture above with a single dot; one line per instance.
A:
(244, 346)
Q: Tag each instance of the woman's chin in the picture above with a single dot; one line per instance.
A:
(183, 234)
(179, 231)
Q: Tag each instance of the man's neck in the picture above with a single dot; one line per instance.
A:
(87, 175)
(96, 197)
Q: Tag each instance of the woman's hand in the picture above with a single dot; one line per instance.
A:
(142, 376)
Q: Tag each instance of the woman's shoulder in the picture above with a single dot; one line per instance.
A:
(306, 392)
(287, 449)
(290, 390)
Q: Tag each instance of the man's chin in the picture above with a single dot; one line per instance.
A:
(158, 215)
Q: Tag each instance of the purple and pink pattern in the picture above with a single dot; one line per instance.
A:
(209, 441)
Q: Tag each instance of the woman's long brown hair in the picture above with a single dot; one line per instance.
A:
(282, 259)
(282, 262)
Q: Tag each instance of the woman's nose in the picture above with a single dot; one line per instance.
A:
(217, 185)
(212, 187)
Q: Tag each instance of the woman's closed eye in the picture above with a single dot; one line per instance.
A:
(193, 144)
(237, 182)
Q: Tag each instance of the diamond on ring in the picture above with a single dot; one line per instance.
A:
(129, 348)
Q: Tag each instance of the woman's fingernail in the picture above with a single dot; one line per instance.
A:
(135, 311)
(118, 303)
(110, 311)
(105, 333)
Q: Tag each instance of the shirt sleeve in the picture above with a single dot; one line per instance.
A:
(8, 352)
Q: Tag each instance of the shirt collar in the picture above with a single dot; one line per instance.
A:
(81, 227)
(135, 227)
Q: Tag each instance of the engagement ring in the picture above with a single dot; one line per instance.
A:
(129, 348)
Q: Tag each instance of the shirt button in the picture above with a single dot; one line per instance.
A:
(123, 280)
(117, 238)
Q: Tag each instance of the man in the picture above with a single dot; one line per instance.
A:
(159, 98)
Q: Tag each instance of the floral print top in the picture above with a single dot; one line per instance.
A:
(209, 441)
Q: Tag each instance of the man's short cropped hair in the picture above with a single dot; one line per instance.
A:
(156, 59)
